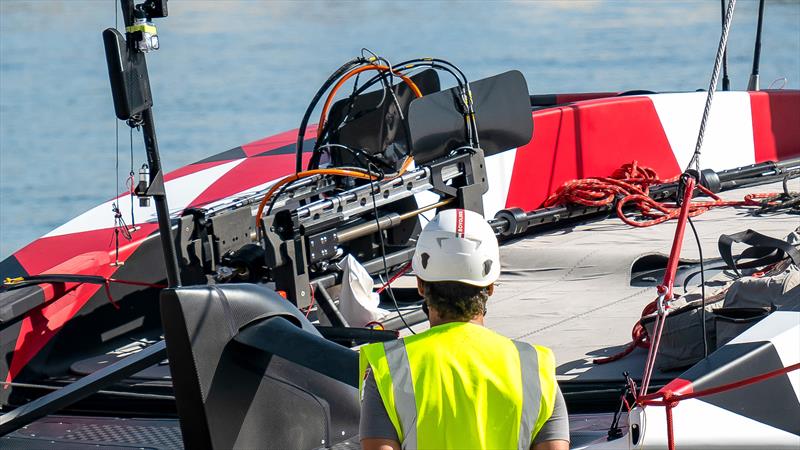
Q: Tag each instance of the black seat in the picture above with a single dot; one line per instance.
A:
(250, 371)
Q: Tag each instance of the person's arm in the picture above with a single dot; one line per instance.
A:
(375, 428)
(380, 444)
(554, 434)
(545, 445)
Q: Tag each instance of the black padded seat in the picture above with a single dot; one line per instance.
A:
(233, 390)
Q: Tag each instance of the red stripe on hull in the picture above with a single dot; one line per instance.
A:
(588, 140)
(250, 172)
(277, 141)
(42, 323)
(776, 124)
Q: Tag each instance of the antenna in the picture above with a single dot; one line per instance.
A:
(726, 82)
(752, 85)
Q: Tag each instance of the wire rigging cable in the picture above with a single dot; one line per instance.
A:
(723, 42)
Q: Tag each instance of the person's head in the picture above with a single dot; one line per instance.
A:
(457, 261)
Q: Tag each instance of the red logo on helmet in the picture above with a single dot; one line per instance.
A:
(460, 223)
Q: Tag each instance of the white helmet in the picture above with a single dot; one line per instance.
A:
(457, 245)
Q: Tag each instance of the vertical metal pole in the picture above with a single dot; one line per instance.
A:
(726, 83)
(160, 198)
(752, 85)
(159, 193)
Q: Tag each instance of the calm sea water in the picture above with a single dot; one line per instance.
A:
(230, 72)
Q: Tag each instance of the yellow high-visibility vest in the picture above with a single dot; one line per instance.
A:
(463, 386)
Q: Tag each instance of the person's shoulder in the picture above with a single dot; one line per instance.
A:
(543, 353)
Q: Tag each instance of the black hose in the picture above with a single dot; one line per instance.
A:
(381, 77)
(301, 133)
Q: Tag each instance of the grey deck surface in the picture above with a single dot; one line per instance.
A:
(570, 289)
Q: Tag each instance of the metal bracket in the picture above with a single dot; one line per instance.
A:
(322, 246)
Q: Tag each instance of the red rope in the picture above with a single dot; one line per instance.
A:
(403, 270)
(639, 338)
(136, 283)
(670, 400)
(631, 183)
(668, 396)
(107, 286)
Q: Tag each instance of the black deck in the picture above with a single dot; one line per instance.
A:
(71, 432)
(79, 432)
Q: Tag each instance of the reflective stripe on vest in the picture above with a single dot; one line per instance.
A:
(531, 393)
(530, 389)
(404, 400)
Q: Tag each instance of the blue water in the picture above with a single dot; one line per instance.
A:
(230, 72)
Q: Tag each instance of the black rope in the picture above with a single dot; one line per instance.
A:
(119, 228)
(702, 288)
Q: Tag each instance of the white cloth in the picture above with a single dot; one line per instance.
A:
(357, 303)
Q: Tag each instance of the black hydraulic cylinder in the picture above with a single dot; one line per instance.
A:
(759, 170)
(160, 198)
(511, 222)
(372, 266)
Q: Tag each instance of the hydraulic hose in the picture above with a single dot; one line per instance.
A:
(301, 133)
(350, 74)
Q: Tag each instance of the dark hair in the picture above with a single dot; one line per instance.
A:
(454, 300)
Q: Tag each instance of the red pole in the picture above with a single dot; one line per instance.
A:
(677, 242)
(670, 435)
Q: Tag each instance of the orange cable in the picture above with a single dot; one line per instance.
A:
(347, 76)
(341, 172)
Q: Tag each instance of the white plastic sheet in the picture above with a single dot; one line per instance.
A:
(357, 303)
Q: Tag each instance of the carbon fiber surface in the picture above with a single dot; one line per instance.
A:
(96, 432)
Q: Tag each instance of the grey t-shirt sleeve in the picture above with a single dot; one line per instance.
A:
(557, 426)
(375, 422)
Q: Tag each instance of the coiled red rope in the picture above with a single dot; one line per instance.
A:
(631, 184)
